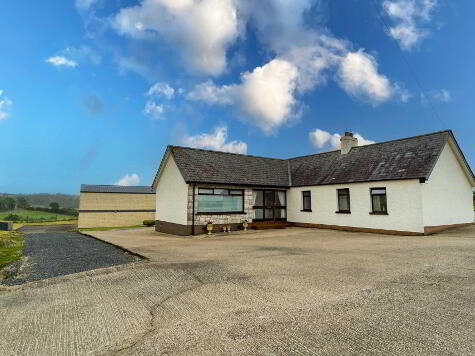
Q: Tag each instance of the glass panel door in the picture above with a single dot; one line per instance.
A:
(269, 198)
(269, 205)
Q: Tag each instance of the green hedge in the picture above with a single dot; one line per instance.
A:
(149, 222)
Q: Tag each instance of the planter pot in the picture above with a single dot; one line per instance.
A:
(209, 227)
(245, 224)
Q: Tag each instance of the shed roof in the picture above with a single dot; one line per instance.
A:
(89, 188)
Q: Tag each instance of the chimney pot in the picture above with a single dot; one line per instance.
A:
(347, 142)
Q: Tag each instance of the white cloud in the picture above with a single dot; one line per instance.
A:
(212, 94)
(136, 65)
(154, 110)
(301, 57)
(359, 76)
(161, 89)
(442, 95)
(409, 17)
(5, 106)
(82, 54)
(84, 4)
(129, 179)
(216, 141)
(61, 61)
(203, 29)
(363, 141)
(266, 94)
(321, 139)
(403, 93)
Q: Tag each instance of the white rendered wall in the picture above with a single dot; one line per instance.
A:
(404, 199)
(447, 195)
(172, 195)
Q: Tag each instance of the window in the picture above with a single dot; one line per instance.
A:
(306, 200)
(220, 201)
(379, 203)
(343, 200)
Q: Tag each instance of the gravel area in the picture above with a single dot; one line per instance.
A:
(57, 253)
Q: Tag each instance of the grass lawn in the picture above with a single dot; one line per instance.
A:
(37, 215)
(11, 248)
(59, 222)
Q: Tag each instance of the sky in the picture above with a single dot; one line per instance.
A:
(93, 91)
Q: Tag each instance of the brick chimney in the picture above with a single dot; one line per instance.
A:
(347, 142)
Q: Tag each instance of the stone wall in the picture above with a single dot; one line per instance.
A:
(235, 220)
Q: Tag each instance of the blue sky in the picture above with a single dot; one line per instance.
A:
(92, 91)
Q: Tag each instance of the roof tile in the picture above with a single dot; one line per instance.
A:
(408, 158)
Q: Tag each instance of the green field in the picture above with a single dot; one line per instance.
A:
(32, 215)
(11, 248)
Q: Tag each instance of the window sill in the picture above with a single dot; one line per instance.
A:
(306, 210)
(378, 213)
(343, 212)
(221, 213)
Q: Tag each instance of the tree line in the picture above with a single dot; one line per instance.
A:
(8, 203)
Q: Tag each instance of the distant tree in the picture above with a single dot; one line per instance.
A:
(10, 203)
(22, 203)
(3, 203)
(54, 206)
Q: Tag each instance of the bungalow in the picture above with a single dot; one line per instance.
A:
(411, 186)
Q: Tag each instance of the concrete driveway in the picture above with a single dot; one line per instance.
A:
(286, 292)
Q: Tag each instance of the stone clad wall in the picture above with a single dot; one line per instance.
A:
(235, 220)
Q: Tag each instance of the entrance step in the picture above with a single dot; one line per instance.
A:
(263, 225)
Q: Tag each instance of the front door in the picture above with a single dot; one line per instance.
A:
(269, 205)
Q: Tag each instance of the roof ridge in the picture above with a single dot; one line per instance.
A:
(378, 143)
(406, 138)
(228, 153)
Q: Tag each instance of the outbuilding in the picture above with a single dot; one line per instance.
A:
(113, 205)
(410, 186)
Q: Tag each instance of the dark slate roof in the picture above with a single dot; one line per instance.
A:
(408, 158)
(88, 188)
(204, 166)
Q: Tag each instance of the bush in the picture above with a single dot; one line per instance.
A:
(149, 222)
(12, 217)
